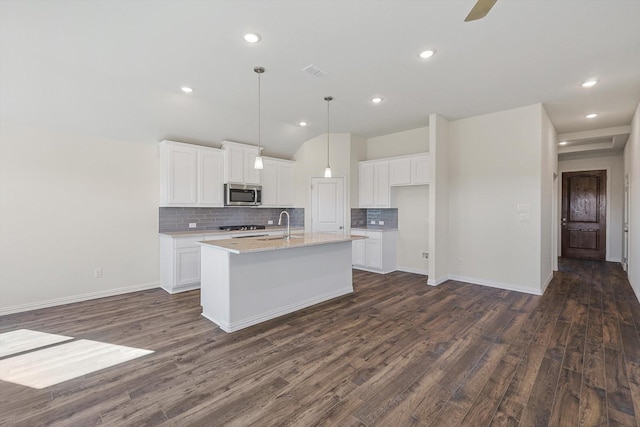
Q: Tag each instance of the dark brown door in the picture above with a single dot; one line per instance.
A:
(584, 207)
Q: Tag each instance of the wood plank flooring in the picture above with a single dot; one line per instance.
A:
(395, 353)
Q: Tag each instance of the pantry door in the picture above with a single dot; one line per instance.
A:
(327, 205)
(584, 208)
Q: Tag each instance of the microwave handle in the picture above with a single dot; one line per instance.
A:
(255, 196)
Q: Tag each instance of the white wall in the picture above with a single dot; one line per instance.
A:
(413, 227)
(549, 171)
(398, 144)
(311, 159)
(358, 153)
(614, 165)
(632, 167)
(495, 164)
(69, 204)
(439, 219)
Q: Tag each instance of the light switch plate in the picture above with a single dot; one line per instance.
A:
(373, 223)
(192, 225)
(380, 222)
(270, 222)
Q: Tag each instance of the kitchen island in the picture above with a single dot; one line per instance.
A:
(248, 281)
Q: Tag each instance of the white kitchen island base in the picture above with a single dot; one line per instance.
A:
(242, 289)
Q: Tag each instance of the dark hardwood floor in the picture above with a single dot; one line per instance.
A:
(394, 353)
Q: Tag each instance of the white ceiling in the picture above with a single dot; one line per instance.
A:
(114, 68)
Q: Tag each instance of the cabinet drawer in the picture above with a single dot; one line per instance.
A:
(374, 235)
(187, 242)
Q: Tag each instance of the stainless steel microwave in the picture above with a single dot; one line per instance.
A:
(242, 195)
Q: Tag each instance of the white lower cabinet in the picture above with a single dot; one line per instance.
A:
(180, 259)
(377, 253)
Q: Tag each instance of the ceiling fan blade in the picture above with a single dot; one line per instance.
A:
(480, 10)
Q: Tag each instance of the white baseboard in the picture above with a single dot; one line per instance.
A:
(281, 311)
(371, 270)
(614, 260)
(77, 298)
(493, 284)
(546, 283)
(636, 289)
(414, 270)
(181, 289)
(436, 282)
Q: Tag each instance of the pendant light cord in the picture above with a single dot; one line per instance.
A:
(328, 131)
(259, 113)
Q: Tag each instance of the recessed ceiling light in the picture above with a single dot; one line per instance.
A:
(591, 116)
(589, 83)
(562, 143)
(427, 53)
(303, 123)
(252, 37)
(376, 100)
(186, 89)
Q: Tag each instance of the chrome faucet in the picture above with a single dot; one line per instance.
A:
(286, 236)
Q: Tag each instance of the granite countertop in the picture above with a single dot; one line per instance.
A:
(219, 232)
(261, 244)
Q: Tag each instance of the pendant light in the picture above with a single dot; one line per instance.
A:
(258, 163)
(327, 170)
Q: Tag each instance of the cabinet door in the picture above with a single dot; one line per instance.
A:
(374, 253)
(187, 266)
(210, 175)
(400, 172)
(381, 184)
(358, 252)
(285, 184)
(182, 176)
(251, 175)
(365, 177)
(234, 165)
(420, 170)
(270, 183)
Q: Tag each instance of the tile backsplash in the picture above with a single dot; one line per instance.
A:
(361, 218)
(178, 219)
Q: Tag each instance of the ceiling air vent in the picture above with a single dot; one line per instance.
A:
(314, 71)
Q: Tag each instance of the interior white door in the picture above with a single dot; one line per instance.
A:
(625, 226)
(327, 205)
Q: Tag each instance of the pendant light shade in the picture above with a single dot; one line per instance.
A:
(327, 170)
(258, 162)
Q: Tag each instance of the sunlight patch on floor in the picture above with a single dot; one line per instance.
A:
(24, 339)
(43, 368)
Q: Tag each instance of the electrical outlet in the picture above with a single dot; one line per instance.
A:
(97, 273)
(425, 255)
(380, 222)
(270, 222)
(192, 225)
(373, 223)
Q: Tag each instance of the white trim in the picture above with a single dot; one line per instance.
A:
(493, 284)
(185, 288)
(77, 298)
(281, 311)
(422, 271)
(618, 260)
(371, 270)
(439, 281)
(635, 291)
(546, 283)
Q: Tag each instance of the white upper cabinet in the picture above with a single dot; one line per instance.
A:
(374, 184)
(239, 161)
(420, 169)
(277, 182)
(210, 175)
(409, 170)
(190, 175)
